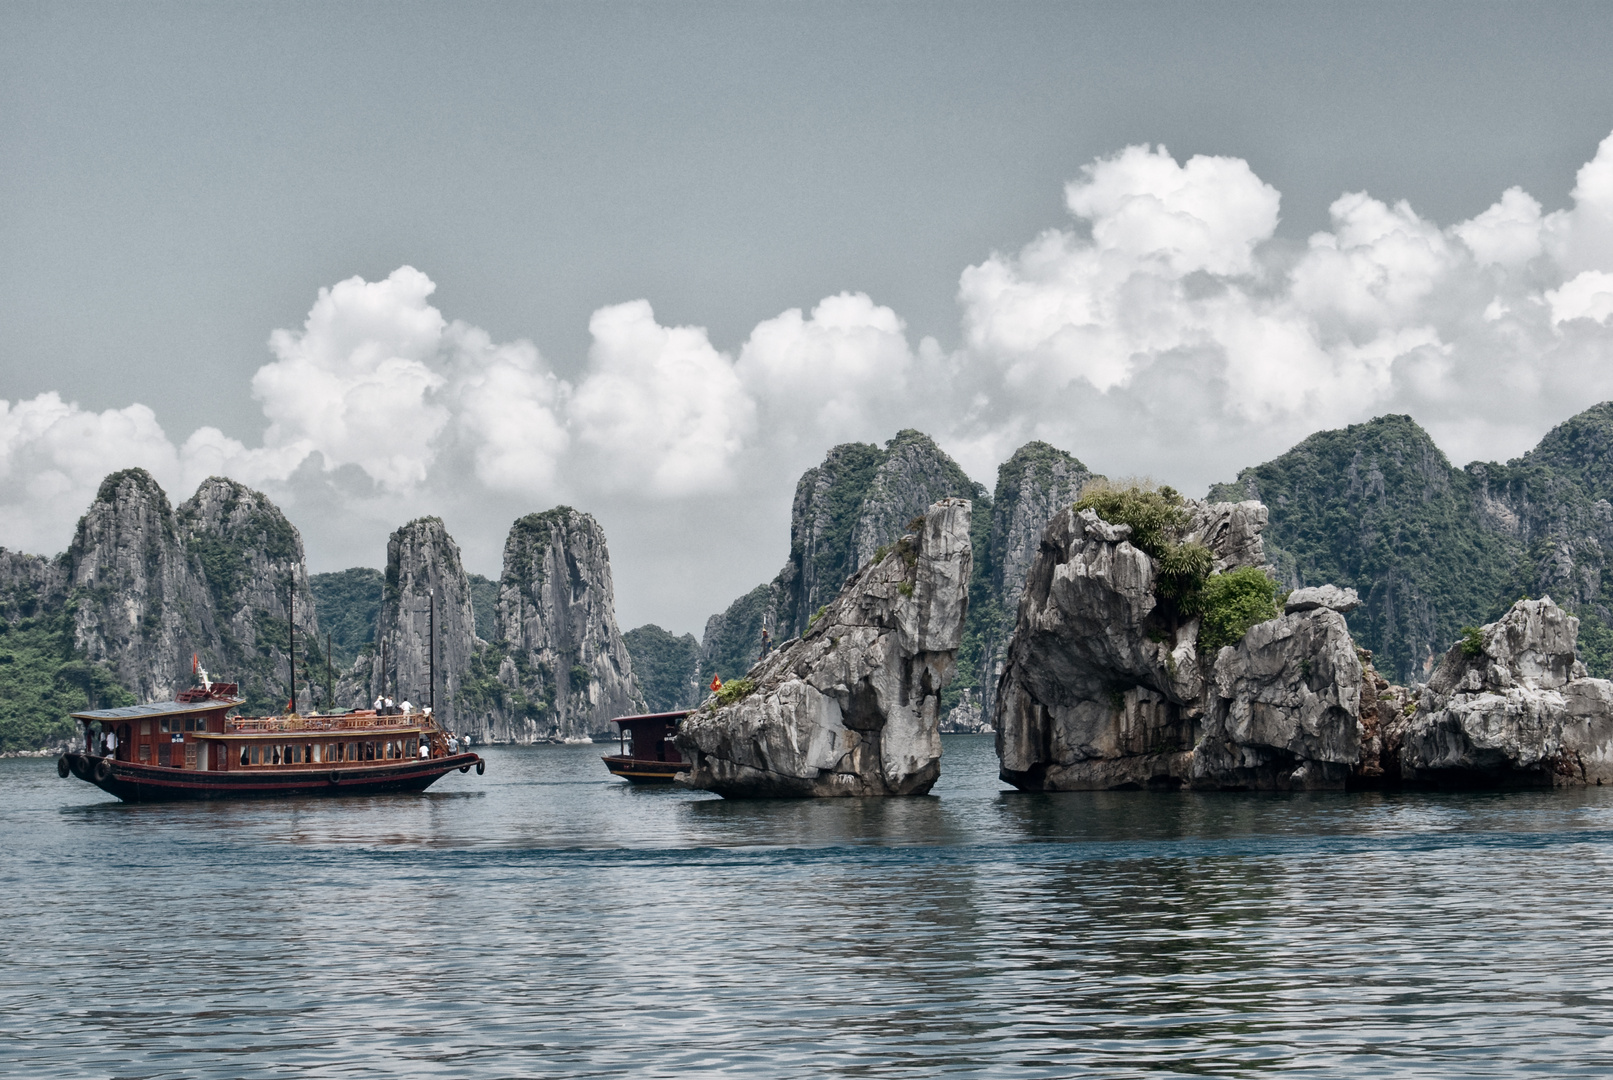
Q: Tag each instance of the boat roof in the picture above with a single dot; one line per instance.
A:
(679, 715)
(157, 708)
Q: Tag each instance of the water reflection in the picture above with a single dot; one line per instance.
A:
(548, 920)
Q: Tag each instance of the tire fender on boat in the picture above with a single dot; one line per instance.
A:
(63, 769)
(481, 767)
(464, 768)
(103, 769)
(336, 776)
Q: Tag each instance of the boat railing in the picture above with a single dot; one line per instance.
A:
(365, 721)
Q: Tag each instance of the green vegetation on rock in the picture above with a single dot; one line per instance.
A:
(42, 681)
(1432, 548)
(665, 666)
(484, 605)
(1230, 603)
(733, 639)
(1156, 515)
(347, 603)
(731, 692)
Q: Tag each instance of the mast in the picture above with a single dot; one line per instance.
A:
(330, 676)
(431, 697)
(291, 638)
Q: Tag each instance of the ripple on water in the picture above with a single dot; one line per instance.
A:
(546, 920)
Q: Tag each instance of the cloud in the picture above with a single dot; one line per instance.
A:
(834, 375)
(358, 383)
(660, 409)
(1173, 287)
(1165, 327)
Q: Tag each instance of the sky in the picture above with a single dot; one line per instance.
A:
(652, 261)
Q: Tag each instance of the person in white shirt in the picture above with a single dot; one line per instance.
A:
(425, 748)
(379, 703)
(453, 743)
(407, 708)
(112, 744)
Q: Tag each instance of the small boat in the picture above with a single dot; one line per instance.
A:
(190, 748)
(648, 754)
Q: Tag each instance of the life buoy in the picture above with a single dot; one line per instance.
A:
(103, 769)
(464, 768)
(481, 766)
(336, 776)
(63, 769)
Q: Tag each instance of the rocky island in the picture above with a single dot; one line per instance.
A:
(852, 706)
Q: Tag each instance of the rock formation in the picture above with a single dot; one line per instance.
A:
(1511, 706)
(251, 559)
(423, 569)
(1033, 485)
(30, 584)
(666, 667)
(858, 500)
(852, 706)
(1104, 686)
(560, 659)
(1431, 547)
(150, 585)
(143, 605)
(1283, 707)
(1386, 712)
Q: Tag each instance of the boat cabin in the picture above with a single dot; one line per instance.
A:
(648, 753)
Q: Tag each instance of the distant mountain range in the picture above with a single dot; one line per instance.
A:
(1431, 548)
(1376, 507)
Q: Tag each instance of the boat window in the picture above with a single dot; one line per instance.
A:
(244, 759)
(369, 751)
(162, 726)
(276, 756)
(316, 753)
(145, 727)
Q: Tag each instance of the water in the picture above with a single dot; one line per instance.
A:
(548, 920)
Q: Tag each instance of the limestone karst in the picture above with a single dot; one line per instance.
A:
(145, 585)
(851, 707)
(845, 509)
(1431, 547)
(1106, 685)
(1034, 484)
(1511, 705)
(559, 667)
(423, 570)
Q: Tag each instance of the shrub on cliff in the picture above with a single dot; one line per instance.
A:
(1231, 603)
(1156, 515)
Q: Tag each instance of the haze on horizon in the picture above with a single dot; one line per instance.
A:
(390, 260)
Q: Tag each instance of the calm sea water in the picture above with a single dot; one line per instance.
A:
(548, 920)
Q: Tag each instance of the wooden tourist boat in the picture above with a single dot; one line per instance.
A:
(190, 748)
(648, 755)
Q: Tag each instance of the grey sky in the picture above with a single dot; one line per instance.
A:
(177, 181)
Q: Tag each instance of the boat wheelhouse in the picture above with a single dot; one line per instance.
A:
(191, 748)
(648, 755)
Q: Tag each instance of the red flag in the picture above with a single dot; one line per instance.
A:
(716, 683)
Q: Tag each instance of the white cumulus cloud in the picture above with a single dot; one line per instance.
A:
(660, 409)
